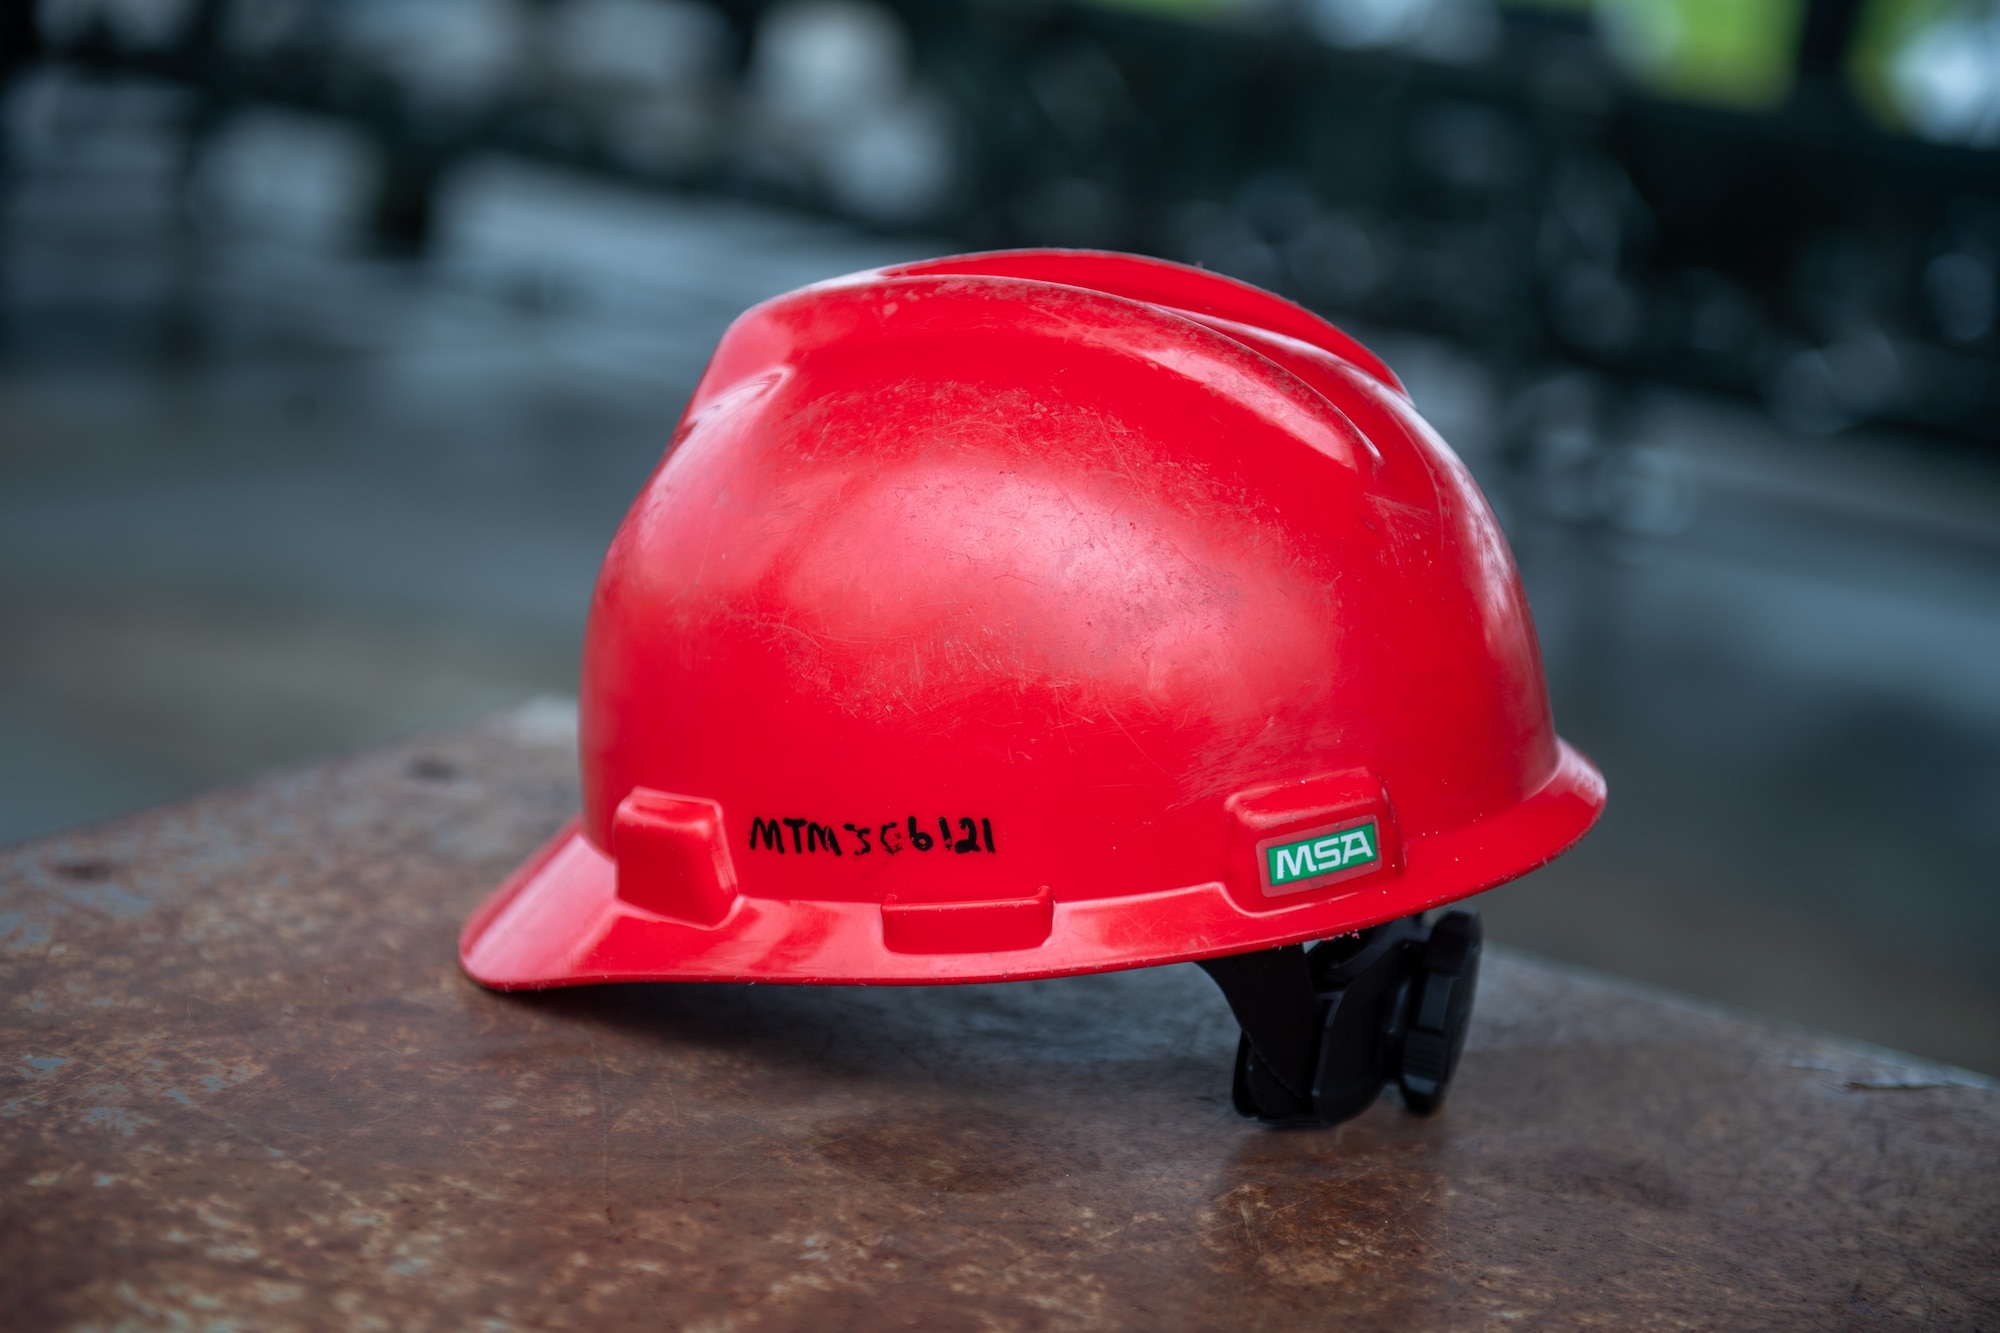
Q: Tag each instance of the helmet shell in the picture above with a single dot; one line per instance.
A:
(1033, 613)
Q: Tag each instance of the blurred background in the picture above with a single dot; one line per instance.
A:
(335, 335)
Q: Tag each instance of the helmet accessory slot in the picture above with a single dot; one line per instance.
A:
(1299, 841)
(673, 859)
(994, 926)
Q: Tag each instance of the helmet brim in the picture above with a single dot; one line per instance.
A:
(558, 920)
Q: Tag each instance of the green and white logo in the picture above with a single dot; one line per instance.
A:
(1322, 854)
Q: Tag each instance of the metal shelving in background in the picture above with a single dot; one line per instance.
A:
(1745, 203)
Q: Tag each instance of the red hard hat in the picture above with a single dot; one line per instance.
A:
(1035, 613)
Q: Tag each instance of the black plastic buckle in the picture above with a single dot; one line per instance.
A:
(1324, 1029)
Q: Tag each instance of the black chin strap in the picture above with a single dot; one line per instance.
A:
(1324, 1030)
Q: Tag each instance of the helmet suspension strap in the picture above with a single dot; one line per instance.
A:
(1325, 1029)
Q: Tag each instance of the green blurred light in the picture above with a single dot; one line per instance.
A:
(1730, 53)
(1733, 53)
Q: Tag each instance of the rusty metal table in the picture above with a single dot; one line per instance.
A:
(246, 1086)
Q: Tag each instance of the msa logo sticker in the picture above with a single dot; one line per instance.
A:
(1293, 867)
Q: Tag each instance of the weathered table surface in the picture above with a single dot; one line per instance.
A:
(246, 1086)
